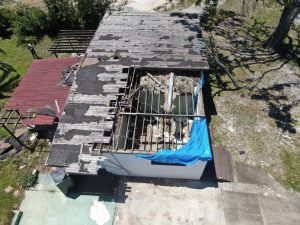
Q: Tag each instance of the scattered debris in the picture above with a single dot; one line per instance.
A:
(8, 189)
(33, 137)
(68, 75)
(21, 131)
(4, 147)
(99, 213)
(22, 167)
(17, 193)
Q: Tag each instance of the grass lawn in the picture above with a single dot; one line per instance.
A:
(292, 170)
(11, 173)
(18, 56)
(14, 174)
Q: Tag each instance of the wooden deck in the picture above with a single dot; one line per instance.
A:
(72, 41)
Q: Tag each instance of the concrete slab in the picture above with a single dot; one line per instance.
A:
(280, 210)
(167, 201)
(174, 202)
(248, 174)
(47, 205)
(241, 208)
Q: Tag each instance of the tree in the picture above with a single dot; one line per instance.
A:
(76, 14)
(29, 23)
(289, 13)
(89, 17)
(5, 21)
(61, 14)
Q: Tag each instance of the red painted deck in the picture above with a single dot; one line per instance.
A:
(39, 87)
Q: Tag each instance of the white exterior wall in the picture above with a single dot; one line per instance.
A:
(129, 165)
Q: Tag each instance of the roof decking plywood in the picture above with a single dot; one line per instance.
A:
(123, 41)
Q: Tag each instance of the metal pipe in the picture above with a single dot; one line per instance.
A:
(158, 114)
(170, 93)
(143, 125)
(193, 96)
(187, 112)
(158, 108)
(180, 125)
(135, 122)
(57, 106)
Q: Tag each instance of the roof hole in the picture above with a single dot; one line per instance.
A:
(107, 133)
(125, 70)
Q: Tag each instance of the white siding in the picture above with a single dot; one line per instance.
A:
(129, 165)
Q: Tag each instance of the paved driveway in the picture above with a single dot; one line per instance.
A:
(254, 199)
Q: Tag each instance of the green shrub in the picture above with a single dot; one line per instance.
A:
(258, 29)
(89, 17)
(62, 14)
(211, 7)
(6, 18)
(75, 14)
(29, 23)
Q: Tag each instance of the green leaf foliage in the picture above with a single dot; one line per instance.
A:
(6, 16)
(76, 14)
(29, 22)
(61, 14)
(89, 17)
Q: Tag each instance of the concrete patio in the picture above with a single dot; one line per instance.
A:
(254, 198)
(45, 204)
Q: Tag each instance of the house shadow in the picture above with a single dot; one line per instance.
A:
(103, 184)
(112, 188)
(278, 108)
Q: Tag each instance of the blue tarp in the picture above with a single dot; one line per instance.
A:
(197, 148)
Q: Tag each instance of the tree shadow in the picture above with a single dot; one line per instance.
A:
(239, 48)
(9, 79)
(278, 108)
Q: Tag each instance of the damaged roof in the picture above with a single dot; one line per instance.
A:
(150, 40)
(123, 40)
(39, 88)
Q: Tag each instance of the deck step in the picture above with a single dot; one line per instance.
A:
(223, 164)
